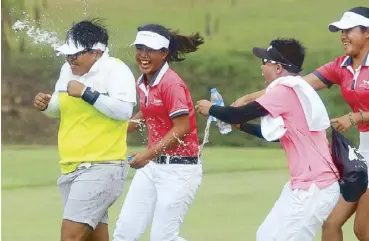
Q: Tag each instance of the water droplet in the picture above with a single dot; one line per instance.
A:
(39, 36)
(206, 137)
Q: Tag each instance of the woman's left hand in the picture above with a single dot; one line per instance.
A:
(140, 159)
(203, 107)
(342, 123)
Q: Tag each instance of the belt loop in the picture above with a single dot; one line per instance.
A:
(167, 159)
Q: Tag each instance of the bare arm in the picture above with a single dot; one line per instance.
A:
(315, 82)
(312, 79)
(361, 117)
(244, 100)
(135, 122)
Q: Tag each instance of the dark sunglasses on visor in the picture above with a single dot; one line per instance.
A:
(290, 67)
(73, 57)
(264, 61)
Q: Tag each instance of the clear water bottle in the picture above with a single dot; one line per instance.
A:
(217, 99)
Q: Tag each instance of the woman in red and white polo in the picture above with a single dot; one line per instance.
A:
(169, 171)
(351, 73)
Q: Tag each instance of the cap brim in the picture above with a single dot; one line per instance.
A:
(261, 53)
(66, 50)
(340, 25)
(149, 45)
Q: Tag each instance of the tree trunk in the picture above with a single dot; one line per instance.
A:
(5, 48)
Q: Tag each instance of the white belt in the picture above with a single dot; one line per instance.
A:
(88, 164)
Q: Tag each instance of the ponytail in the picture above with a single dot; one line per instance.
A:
(181, 45)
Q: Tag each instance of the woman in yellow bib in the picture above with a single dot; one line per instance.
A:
(94, 99)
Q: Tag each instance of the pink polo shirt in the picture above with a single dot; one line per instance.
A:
(308, 154)
(165, 98)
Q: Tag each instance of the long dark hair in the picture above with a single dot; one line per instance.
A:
(179, 45)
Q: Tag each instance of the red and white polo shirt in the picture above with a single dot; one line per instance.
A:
(163, 99)
(354, 84)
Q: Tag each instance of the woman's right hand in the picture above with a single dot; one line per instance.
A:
(344, 123)
(136, 122)
(41, 101)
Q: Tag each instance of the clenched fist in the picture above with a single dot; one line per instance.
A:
(41, 101)
(75, 88)
(203, 107)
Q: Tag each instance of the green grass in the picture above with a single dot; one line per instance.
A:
(239, 187)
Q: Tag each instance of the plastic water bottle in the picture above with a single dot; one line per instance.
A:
(217, 99)
(130, 158)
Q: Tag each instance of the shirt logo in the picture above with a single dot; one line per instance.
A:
(365, 84)
(157, 102)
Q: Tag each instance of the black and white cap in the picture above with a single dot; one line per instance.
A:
(358, 16)
(273, 55)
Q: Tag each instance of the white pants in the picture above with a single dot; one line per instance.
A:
(298, 214)
(161, 193)
(364, 148)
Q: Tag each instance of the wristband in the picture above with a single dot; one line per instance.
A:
(361, 117)
(89, 96)
(353, 123)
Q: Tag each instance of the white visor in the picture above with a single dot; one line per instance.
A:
(151, 40)
(349, 20)
(69, 48)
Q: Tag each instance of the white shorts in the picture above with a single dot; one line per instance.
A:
(298, 214)
(364, 148)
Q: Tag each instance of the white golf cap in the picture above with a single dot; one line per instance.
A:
(70, 48)
(151, 40)
(350, 19)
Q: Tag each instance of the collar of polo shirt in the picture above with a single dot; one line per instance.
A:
(156, 77)
(348, 61)
(349, 20)
(151, 40)
(95, 67)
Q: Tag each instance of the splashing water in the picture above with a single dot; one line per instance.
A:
(206, 137)
(138, 122)
(85, 2)
(39, 36)
(141, 126)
